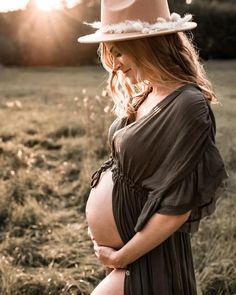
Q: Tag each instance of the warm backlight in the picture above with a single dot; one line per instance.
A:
(48, 5)
(45, 5)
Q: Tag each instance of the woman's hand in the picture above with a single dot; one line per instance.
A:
(107, 256)
(108, 269)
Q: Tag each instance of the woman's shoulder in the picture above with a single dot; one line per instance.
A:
(191, 93)
(191, 99)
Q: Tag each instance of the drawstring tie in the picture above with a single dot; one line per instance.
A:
(97, 174)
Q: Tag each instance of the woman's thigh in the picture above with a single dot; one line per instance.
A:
(112, 284)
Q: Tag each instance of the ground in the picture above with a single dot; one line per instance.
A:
(49, 146)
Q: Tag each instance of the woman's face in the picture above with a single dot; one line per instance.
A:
(123, 63)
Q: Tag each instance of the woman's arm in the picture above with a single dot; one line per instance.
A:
(157, 230)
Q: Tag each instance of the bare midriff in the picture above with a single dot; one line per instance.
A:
(99, 213)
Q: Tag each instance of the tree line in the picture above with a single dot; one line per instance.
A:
(33, 38)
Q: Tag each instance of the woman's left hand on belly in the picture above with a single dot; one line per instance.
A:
(107, 256)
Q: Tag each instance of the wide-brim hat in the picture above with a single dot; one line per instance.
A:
(133, 19)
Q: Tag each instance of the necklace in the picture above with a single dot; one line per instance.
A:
(144, 97)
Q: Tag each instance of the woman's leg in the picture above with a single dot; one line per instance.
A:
(112, 284)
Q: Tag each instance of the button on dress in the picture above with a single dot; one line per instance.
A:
(166, 162)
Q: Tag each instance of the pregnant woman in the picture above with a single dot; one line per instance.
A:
(164, 169)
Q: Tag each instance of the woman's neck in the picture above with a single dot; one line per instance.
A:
(153, 97)
(162, 91)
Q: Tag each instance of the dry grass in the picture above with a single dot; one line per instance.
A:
(52, 137)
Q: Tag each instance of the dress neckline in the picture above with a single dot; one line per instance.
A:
(158, 107)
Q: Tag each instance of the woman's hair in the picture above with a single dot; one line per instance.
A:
(165, 59)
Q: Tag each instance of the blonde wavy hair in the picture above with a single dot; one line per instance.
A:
(173, 56)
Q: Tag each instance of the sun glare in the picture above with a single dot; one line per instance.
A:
(48, 5)
(45, 5)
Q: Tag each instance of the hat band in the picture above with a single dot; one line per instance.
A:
(176, 21)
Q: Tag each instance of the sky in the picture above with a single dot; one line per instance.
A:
(47, 5)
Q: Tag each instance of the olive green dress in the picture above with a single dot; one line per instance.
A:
(166, 162)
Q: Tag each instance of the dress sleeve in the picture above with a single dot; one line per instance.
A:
(191, 171)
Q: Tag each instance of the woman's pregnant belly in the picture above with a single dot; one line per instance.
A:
(99, 213)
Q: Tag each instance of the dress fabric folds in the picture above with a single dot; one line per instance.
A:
(166, 162)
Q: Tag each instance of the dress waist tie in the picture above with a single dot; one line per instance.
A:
(97, 174)
(118, 174)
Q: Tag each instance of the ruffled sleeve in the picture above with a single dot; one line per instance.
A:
(191, 171)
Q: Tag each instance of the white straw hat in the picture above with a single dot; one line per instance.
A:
(132, 19)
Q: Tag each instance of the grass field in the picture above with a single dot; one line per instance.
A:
(53, 135)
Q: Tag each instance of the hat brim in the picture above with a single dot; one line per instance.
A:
(98, 37)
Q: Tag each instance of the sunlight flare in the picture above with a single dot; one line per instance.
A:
(48, 5)
(45, 5)
(72, 3)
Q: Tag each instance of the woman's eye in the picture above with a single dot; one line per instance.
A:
(118, 55)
